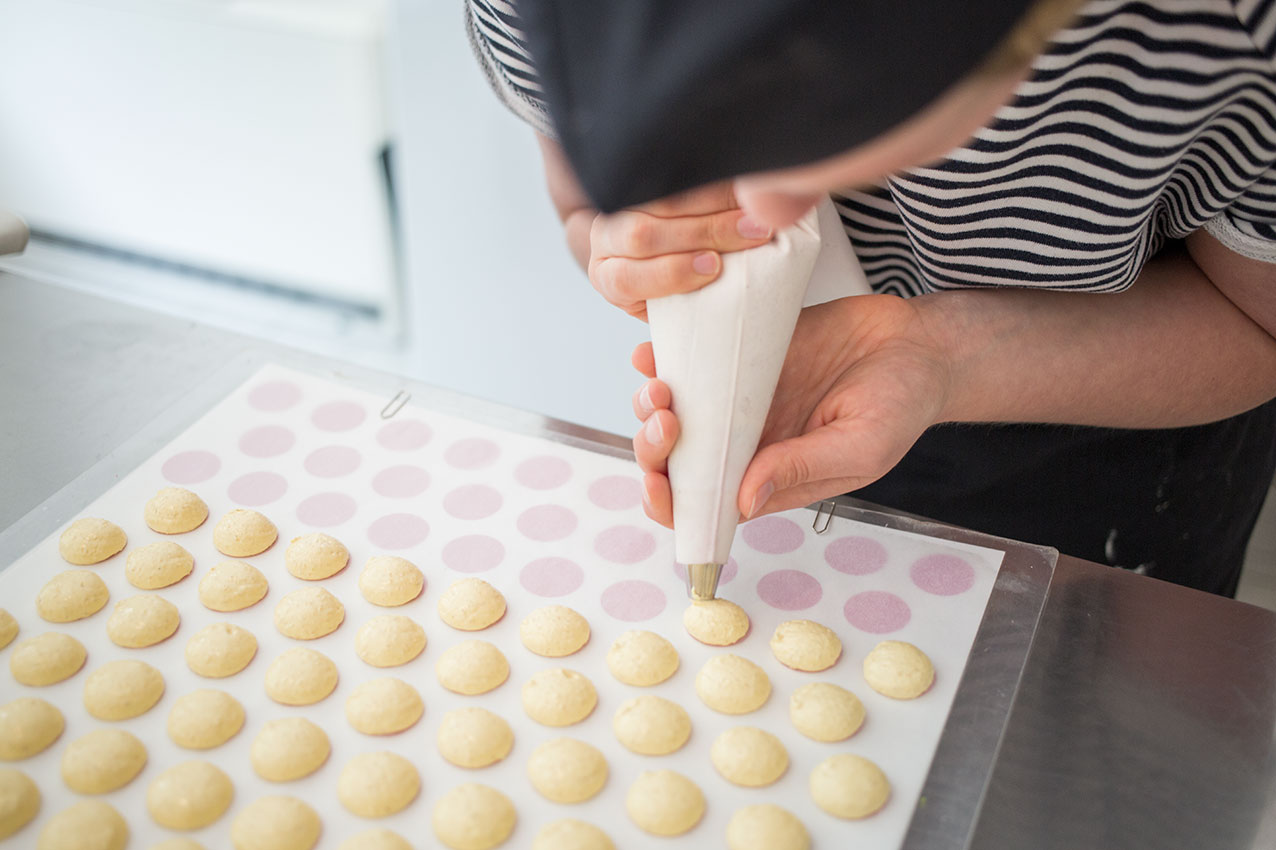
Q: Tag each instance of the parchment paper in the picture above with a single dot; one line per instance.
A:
(314, 455)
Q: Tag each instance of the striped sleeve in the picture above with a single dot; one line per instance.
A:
(498, 44)
(1248, 226)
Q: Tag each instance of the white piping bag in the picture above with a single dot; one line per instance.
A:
(720, 349)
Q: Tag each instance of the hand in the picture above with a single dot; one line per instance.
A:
(667, 246)
(864, 377)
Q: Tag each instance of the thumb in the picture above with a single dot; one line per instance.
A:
(817, 455)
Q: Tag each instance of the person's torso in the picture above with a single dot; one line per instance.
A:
(1140, 123)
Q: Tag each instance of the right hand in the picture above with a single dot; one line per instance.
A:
(667, 246)
(864, 377)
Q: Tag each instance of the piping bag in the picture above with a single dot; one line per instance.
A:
(720, 350)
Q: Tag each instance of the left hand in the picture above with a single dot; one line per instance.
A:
(862, 380)
(667, 246)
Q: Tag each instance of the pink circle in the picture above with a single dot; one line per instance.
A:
(473, 553)
(551, 576)
(401, 482)
(729, 570)
(624, 544)
(633, 600)
(190, 467)
(543, 473)
(857, 556)
(398, 531)
(471, 453)
(472, 501)
(324, 510)
(942, 575)
(267, 441)
(547, 522)
(404, 435)
(333, 461)
(257, 488)
(773, 535)
(274, 395)
(338, 416)
(616, 492)
(877, 612)
(789, 590)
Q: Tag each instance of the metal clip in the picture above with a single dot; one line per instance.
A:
(395, 404)
(823, 512)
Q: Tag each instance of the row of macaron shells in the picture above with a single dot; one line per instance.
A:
(245, 533)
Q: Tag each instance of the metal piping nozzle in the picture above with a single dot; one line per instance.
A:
(702, 581)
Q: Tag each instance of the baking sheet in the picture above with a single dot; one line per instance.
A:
(545, 523)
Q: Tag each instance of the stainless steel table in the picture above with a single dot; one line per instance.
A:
(1144, 717)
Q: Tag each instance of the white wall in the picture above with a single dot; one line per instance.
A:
(242, 138)
(501, 309)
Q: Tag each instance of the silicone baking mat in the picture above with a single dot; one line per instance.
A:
(545, 523)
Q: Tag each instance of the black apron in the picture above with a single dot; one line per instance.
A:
(1177, 504)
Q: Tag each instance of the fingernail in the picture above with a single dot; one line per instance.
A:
(705, 263)
(750, 229)
(646, 496)
(654, 430)
(760, 498)
(644, 400)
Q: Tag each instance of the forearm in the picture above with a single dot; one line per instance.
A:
(576, 225)
(569, 199)
(1170, 351)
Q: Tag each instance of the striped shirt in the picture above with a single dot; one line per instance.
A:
(1140, 123)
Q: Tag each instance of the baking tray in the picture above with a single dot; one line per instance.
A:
(949, 799)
